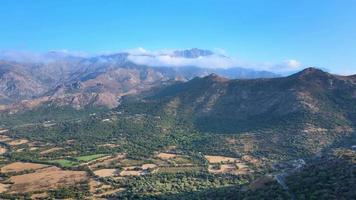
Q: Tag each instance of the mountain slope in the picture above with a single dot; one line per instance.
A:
(296, 116)
(219, 104)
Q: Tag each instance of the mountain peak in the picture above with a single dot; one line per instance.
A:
(215, 77)
(192, 53)
(311, 72)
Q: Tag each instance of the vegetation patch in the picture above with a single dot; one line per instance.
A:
(179, 169)
(64, 162)
(89, 157)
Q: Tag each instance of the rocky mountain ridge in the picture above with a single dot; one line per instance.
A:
(61, 79)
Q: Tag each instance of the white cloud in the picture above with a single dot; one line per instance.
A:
(213, 61)
(164, 57)
(290, 65)
(218, 60)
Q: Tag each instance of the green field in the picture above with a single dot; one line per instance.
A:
(64, 162)
(89, 157)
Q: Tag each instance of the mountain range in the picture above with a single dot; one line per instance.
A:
(58, 78)
(307, 112)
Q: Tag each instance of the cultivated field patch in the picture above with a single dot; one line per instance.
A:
(4, 138)
(21, 166)
(2, 150)
(221, 159)
(106, 172)
(17, 142)
(232, 168)
(166, 156)
(64, 162)
(45, 179)
(148, 166)
(89, 157)
(4, 187)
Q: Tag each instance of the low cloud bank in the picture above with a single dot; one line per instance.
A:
(165, 57)
(218, 60)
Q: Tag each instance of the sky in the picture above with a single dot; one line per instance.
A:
(302, 33)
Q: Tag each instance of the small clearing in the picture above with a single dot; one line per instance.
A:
(4, 138)
(148, 166)
(221, 159)
(132, 171)
(236, 168)
(18, 142)
(106, 172)
(21, 166)
(166, 156)
(4, 187)
(42, 195)
(2, 150)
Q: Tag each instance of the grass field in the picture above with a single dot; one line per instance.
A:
(89, 157)
(65, 163)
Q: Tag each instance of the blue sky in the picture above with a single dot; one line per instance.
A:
(318, 33)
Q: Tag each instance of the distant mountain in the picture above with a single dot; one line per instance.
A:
(193, 53)
(60, 78)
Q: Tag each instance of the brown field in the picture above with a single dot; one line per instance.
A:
(4, 138)
(21, 166)
(237, 168)
(94, 185)
(4, 187)
(148, 166)
(33, 148)
(106, 172)
(50, 150)
(20, 150)
(45, 179)
(42, 195)
(131, 173)
(224, 168)
(219, 159)
(166, 156)
(2, 150)
(18, 142)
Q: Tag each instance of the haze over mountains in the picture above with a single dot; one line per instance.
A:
(59, 78)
